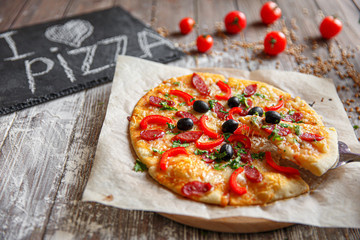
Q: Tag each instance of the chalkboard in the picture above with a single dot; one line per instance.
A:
(46, 61)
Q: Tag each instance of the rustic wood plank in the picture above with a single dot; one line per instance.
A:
(142, 10)
(9, 11)
(36, 11)
(84, 6)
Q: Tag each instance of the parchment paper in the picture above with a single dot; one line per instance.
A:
(335, 203)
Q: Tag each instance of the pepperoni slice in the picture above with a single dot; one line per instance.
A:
(220, 111)
(155, 101)
(253, 174)
(195, 188)
(311, 137)
(184, 114)
(250, 90)
(206, 159)
(188, 137)
(151, 134)
(282, 131)
(246, 158)
(200, 85)
(296, 117)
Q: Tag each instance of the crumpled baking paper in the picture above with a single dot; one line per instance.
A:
(334, 203)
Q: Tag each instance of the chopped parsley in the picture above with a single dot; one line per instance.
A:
(170, 126)
(297, 130)
(275, 136)
(226, 136)
(260, 95)
(200, 152)
(158, 151)
(165, 106)
(259, 155)
(212, 103)
(177, 83)
(243, 100)
(177, 143)
(355, 127)
(284, 125)
(139, 166)
(170, 132)
(182, 104)
(291, 112)
(223, 111)
(193, 99)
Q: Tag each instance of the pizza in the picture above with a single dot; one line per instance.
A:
(229, 141)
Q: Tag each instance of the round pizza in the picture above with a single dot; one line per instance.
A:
(229, 141)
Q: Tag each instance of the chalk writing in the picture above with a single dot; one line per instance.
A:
(30, 74)
(72, 33)
(157, 41)
(68, 71)
(10, 41)
(121, 45)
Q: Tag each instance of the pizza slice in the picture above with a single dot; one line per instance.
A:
(313, 147)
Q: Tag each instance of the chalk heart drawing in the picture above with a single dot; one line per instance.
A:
(72, 33)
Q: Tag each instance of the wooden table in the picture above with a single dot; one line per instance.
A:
(47, 151)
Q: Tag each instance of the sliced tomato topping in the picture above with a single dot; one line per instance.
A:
(242, 129)
(155, 101)
(311, 137)
(282, 131)
(200, 85)
(187, 97)
(171, 153)
(240, 138)
(234, 186)
(225, 88)
(287, 170)
(188, 137)
(184, 114)
(151, 134)
(250, 90)
(220, 111)
(207, 131)
(235, 110)
(294, 117)
(209, 145)
(154, 119)
(276, 107)
(253, 174)
(195, 188)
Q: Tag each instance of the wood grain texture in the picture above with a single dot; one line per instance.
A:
(46, 152)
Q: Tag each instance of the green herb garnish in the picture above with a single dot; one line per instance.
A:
(139, 166)
(165, 106)
(177, 143)
(259, 155)
(170, 126)
(212, 103)
(158, 151)
(200, 152)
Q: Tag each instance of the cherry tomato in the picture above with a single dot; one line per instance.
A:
(204, 43)
(330, 27)
(270, 12)
(274, 43)
(186, 25)
(235, 22)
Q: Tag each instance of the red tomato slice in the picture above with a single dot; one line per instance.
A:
(253, 174)
(155, 101)
(171, 153)
(311, 137)
(151, 134)
(154, 119)
(276, 107)
(234, 186)
(209, 145)
(250, 90)
(187, 97)
(225, 88)
(188, 137)
(184, 114)
(195, 188)
(207, 131)
(200, 85)
(240, 138)
(287, 170)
